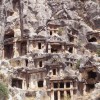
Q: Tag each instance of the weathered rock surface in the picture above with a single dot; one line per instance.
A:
(31, 17)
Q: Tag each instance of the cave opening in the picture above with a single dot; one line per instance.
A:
(71, 50)
(15, 4)
(92, 74)
(90, 87)
(93, 39)
(9, 35)
(71, 39)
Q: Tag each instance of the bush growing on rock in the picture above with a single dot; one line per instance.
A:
(3, 92)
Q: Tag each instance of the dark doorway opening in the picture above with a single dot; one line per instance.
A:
(92, 74)
(54, 50)
(71, 50)
(23, 48)
(68, 85)
(50, 32)
(55, 95)
(8, 36)
(55, 85)
(62, 95)
(26, 61)
(40, 83)
(54, 72)
(61, 85)
(8, 51)
(71, 39)
(17, 83)
(39, 46)
(40, 64)
(89, 87)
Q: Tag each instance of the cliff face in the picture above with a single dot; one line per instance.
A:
(71, 28)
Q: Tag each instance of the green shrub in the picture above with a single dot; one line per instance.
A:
(3, 92)
(98, 53)
(78, 64)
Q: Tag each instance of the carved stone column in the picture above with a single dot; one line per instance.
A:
(84, 89)
(71, 91)
(49, 48)
(15, 49)
(65, 93)
(58, 95)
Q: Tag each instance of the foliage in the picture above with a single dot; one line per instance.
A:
(98, 52)
(60, 31)
(78, 64)
(3, 91)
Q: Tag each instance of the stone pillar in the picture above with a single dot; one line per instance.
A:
(31, 81)
(76, 87)
(58, 95)
(28, 46)
(52, 91)
(52, 95)
(15, 50)
(65, 93)
(44, 83)
(74, 50)
(71, 91)
(49, 48)
(84, 89)
(63, 48)
(36, 83)
(24, 85)
(31, 46)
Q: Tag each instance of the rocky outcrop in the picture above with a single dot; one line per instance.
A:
(78, 25)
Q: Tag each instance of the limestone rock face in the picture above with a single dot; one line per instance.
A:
(74, 50)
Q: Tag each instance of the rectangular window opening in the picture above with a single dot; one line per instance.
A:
(39, 46)
(23, 48)
(55, 85)
(54, 72)
(68, 85)
(40, 83)
(61, 85)
(40, 64)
